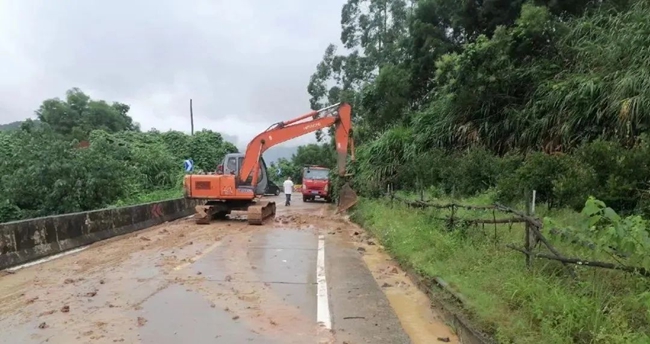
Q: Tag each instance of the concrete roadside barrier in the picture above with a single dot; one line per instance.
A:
(27, 240)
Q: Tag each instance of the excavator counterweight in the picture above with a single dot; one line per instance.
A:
(241, 179)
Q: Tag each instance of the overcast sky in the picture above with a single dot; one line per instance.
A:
(245, 63)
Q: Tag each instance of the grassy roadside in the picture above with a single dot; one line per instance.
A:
(505, 299)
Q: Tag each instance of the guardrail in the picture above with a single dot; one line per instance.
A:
(27, 240)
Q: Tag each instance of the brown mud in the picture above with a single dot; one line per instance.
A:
(226, 281)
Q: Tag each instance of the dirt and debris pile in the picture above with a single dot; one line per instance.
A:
(287, 219)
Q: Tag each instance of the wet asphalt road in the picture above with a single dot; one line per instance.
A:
(226, 282)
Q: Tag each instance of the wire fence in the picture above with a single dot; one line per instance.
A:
(534, 238)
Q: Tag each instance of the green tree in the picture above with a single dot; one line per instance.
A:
(45, 171)
(207, 148)
(314, 154)
(507, 75)
(78, 115)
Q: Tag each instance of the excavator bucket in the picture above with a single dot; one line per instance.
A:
(347, 198)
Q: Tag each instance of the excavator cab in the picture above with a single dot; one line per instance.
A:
(233, 162)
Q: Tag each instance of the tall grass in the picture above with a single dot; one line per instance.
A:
(514, 304)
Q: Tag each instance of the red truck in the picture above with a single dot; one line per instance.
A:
(315, 183)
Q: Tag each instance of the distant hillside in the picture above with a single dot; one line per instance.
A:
(232, 139)
(271, 155)
(275, 153)
(10, 126)
(16, 125)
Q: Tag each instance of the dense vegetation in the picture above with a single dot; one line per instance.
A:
(87, 154)
(519, 88)
(489, 99)
(481, 100)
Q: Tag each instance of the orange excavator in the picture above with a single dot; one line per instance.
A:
(235, 187)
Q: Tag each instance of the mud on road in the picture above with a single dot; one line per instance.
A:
(226, 282)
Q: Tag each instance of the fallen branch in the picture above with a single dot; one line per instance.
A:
(642, 271)
(424, 204)
(497, 221)
(463, 206)
(532, 220)
(572, 240)
(541, 238)
(587, 244)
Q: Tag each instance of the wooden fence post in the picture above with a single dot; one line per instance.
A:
(451, 218)
(533, 239)
(533, 203)
(528, 224)
(421, 187)
(494, 217)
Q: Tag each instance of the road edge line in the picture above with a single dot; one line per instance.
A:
(323, 316)
(47, 259)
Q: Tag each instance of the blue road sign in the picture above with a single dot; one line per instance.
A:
(189, 165)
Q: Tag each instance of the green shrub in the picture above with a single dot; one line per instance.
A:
(574, 185)
(472, 172)
(546, 174)
(621, 174)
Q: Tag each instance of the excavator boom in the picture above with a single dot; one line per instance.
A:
(337, 114)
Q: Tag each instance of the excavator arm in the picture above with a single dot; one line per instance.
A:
(223, 193)
(339, 115)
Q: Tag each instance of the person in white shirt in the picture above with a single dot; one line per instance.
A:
(288, 189)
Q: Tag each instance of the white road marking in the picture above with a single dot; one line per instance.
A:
(195, 258)
(322, 307)
(47, 259)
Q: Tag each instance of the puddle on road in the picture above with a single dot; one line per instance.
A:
(411, 305)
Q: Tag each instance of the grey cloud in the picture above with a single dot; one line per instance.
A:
(248, 60)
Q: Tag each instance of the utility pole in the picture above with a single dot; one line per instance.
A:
(191, 116)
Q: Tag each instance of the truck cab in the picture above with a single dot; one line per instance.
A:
(315, 183)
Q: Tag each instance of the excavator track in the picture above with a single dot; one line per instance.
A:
(259, 212)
